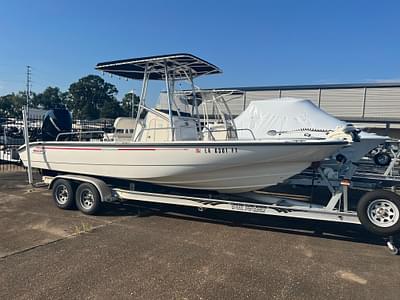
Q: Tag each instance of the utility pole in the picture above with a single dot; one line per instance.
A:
(25, 113)
(28, 85)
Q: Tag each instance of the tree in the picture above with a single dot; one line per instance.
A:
(88, 98)
(11, 104)
(111, 109)
(6, 106)
(127, 104)
(50, 98)
(88, 95)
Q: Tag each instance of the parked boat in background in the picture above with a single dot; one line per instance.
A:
(284, 118)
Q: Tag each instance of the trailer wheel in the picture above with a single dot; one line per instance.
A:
(379, 212)
(63, 194)
(382, 159)
(88, 199)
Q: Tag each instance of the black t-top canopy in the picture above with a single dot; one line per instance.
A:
(179, 67)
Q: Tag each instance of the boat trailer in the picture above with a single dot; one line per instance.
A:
(367, 174)
(88, 193)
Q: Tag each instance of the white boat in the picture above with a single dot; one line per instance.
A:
(284, 118)
(175, 149)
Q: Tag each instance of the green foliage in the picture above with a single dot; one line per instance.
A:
(89, 98)
(88, 95)
(11, 104)
(127, 104)
(111, 109)
(50, 98)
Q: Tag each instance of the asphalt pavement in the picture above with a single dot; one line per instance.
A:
(179, 253)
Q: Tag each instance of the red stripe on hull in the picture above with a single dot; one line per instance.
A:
(100, 149)
(150, 149)
(137, 149)
(69, 148)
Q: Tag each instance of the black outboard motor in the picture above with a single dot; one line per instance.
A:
(56, 121)
(353, 131)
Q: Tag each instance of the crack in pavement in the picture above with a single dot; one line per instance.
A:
(69, 236)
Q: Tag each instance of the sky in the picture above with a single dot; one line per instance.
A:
(255, 43)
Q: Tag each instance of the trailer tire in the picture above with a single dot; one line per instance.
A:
(379, 212)
(63, 194)
(87, 199)
(382, 159)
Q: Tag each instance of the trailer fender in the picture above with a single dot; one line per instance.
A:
(103, 189)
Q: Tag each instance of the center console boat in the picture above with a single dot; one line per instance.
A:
(177, 149)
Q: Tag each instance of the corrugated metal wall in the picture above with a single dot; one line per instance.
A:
(235, 103)
(359, 103)
(343, 103)
(347, 102)
(382, 103)
(260, 95)
(312, 95)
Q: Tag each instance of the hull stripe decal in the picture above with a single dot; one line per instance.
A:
(149, 149)
(137, 149)
(70, 148)
(100, 149)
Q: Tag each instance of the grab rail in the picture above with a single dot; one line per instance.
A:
(210, 132)
(80, 133)
(249, 130)
(166, 128)
(228, 130)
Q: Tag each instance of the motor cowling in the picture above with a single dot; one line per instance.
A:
(349, 133)
(56, 121)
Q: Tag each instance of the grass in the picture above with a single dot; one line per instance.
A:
(82, 228)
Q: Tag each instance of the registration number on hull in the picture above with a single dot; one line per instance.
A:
(220, 150)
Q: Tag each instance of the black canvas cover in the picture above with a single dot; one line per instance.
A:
(179, 67)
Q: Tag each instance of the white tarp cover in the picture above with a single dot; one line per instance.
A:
(291, 114)
(284, 114)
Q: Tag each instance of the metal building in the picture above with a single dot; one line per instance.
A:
(368, 102)
(371, 103)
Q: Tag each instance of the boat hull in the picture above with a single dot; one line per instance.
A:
(224, 167)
